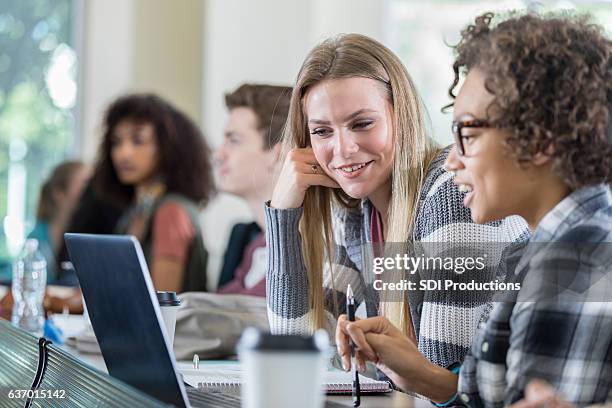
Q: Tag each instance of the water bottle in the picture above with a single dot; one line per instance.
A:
(29, 280)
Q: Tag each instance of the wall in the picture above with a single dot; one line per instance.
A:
(263, 41)
(139, 45)
(106, 64)
(167, 48)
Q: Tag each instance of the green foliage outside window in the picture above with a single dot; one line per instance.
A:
(38, 73)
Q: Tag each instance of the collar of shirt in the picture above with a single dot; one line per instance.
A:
(578, 206)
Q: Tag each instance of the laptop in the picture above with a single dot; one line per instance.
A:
(127, 320)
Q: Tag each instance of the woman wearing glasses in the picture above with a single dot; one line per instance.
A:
(361, 169)
(533, 134)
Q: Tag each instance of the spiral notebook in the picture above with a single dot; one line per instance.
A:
(226, 377)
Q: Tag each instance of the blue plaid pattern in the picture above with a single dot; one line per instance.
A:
(568, 344)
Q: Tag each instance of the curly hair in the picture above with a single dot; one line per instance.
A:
(551, 77)
(184, 156)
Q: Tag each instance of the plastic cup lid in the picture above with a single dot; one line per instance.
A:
(255, 340)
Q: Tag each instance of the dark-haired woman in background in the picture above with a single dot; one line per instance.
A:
(155, 159)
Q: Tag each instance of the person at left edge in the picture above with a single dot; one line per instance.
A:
(59, 196)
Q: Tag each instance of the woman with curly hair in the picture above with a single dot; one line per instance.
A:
(155, 159)
(533, 129)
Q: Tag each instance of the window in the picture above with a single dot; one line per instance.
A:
(38, 98)
(420, 32)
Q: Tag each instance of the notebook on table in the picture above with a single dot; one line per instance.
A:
(226, 377)
(341, 382)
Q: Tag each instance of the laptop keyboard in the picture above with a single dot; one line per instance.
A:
(212, 399)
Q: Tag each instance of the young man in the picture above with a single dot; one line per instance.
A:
(247, 163)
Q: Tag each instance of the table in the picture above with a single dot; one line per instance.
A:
(73, 323)
(391, 400)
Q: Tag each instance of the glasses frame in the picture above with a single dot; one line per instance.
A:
(459, 125)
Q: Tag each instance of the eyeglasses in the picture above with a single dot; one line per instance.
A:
(459, 125)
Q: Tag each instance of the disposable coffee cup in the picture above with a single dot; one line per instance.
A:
(282, 371)
(169, 304)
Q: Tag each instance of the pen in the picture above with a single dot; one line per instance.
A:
(350, 311)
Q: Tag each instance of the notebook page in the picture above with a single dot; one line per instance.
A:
(221, 375)
(337, 381)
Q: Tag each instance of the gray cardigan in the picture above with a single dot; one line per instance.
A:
(444, 325)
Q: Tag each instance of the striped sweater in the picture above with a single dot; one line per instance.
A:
(443, 325)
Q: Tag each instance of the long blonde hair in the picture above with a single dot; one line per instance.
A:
(354, 55)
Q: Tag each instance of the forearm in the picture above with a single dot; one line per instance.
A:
(286, 279)
(436, 383)
(167, 274)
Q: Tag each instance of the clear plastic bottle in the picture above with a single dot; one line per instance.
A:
(29, 281)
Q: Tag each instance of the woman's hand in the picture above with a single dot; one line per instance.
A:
(73, 303)
(6, 305)
(300, 171)
(54, 304)
(377, 340)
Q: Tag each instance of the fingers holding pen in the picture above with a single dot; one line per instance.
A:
(358, 337)
(360, 360)
(347, 332)
(342, 342)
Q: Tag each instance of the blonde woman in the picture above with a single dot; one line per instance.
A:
(360, 168)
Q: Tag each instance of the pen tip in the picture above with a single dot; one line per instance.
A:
(349, 291)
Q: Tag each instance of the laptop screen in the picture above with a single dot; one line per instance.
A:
(125, 314)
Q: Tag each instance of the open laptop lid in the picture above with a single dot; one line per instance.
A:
(125, 314)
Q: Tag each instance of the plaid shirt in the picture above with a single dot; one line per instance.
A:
(568, 344)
